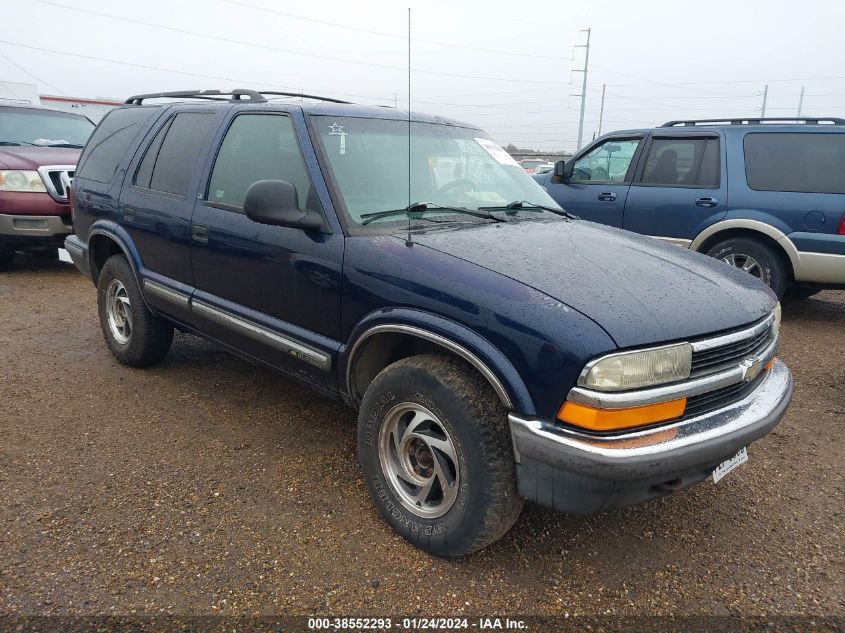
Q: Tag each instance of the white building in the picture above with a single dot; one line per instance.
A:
(20, 93)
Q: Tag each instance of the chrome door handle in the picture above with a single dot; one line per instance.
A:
(607, 196)
(706, 201)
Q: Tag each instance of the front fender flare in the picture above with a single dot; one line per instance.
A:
(458, 339)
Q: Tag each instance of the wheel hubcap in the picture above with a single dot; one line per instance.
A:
(744, 262)
(118, 312)
(419, 461)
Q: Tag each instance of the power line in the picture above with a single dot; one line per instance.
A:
(288, 51)
(33, 75)
(393, 35)
(730, 81)
(144, 66)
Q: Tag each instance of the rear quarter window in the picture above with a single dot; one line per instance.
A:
(109, 142)
(800, 162)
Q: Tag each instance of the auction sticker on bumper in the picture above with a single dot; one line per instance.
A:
(729, 464)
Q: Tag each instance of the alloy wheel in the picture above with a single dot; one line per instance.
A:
(118, 311)
(744, 262)
(419, 460)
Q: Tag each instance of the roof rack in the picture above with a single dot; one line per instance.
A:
(210, 95)
(303, 95)
(756, 120)
(239, 94)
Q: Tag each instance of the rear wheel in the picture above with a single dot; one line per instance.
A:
(435, 451)
(754, 257)
(135, 336)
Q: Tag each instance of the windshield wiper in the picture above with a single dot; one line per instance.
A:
(522, 205)
(70, 145)
(417, 209)
(17, 143)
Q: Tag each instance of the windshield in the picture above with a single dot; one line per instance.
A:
(450, 167)
(28, 126)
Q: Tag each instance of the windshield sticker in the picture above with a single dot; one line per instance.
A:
(337, 130)
(496, 151)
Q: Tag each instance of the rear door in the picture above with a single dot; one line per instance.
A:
(601, 176)
(157, 202)
(680, 188)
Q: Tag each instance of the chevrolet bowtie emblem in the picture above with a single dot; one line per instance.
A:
(751, 368)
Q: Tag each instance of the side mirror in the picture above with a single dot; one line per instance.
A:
(563, 170)
(275, 202)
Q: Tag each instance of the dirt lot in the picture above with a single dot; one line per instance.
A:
(208, 485)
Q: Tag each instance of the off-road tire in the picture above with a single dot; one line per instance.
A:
(7, 256)
(487, 502)
(47, 254)
(799, 293)
(150, 337)
(773, 268)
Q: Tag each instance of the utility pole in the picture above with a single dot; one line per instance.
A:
(765, 96)
(800, 101)
(601, 112)
(583, 94)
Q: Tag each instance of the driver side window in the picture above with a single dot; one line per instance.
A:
(607, 163)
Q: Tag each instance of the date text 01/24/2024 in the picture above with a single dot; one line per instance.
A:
(415, 624)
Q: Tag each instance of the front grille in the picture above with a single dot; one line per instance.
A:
(718, 398)
(711, 360)
(56, 178)
(58, 185)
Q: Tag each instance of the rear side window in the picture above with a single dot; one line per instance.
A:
(172, 156)
(109, 143)
(802, 162)
(259, 147)
(144, 175)
(682, 162)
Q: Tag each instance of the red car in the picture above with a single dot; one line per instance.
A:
(38, 153)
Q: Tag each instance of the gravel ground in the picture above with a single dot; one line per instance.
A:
(208, 485)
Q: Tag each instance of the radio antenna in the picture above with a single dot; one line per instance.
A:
(408, 241)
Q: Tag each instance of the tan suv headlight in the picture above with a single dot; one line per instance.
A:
(17, 180)
(637, 369)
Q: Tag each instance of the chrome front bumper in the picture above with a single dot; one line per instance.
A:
(668, 452)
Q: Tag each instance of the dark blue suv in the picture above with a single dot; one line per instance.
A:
(764, 195)
(495, 348)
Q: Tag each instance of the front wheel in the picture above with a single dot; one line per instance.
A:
(135, 336)
(755, 258)
(435, 451)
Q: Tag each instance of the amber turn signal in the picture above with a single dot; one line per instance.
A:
(618, 419)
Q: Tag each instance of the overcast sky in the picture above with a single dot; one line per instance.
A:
(503, 65)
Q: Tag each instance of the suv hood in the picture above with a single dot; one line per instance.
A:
(25, 157)
(638, 289)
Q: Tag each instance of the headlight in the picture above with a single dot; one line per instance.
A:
(15, 180)
(776, 322)
(633, 370)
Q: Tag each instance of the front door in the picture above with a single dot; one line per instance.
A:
(600, 179)
(271, 291)
(680, 189)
